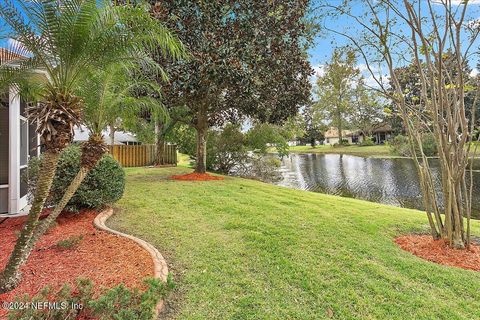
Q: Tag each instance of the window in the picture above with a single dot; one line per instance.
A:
(23, 142)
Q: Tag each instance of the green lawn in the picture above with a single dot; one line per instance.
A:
(183, 160)
(241, 249)
(367, 151)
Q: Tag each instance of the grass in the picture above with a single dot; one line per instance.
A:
(380, 151)
(184, 160)
(241, 249)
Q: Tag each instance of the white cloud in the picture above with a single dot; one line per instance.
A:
(319, 70)
(474, 72)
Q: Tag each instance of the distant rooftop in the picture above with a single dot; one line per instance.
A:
(8, 56)
(121, 137)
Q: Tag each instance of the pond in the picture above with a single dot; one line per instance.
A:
(388, 181)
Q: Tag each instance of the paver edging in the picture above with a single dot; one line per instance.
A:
(160, 265)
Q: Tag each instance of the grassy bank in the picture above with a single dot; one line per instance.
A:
(241, 249)
(380, 151)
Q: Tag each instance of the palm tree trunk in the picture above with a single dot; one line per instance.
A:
(10, 276)
(46, 223)
(92, 152)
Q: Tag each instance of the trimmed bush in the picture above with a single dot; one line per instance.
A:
(368, 141)
(344, 143)
(429, 145)
(399, 146)
(104, 185)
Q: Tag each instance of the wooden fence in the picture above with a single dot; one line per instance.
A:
(142, 155)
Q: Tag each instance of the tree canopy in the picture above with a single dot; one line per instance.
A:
(247, 59)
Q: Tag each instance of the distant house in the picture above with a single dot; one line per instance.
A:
(332, 136)
(380, 134)
(120, 137)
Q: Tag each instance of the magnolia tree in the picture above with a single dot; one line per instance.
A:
(247, 59)
(436, 37)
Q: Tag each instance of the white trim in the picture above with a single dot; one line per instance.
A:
(16, 204)
(3, 186)
(21, 213)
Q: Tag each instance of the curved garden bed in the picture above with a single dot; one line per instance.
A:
(74, 249)
(438, 251)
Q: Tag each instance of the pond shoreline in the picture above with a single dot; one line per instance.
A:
(391, 181)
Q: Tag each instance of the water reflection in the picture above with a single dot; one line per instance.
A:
(389, 181)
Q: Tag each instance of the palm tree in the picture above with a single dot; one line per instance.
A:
(109, 94)
(67, 40)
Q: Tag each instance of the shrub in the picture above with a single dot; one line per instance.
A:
(264, 135)
(117, 303)
(368, 141)
(429, 145)
(226, 148)
(103, 185)
(260, 167)
(399, 145)
(344, 143)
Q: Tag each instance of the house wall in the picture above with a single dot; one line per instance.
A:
(17, 144)
(332, 141)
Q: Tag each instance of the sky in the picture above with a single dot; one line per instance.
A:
(326, 42)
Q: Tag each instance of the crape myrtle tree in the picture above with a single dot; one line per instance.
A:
(247, 59)
(436, 37)
(67, 40)
(409, 79)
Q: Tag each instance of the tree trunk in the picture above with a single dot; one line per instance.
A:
(339, 128)
(112, 135)
(202, 128)
(201, 161)
(46, 223)
(10, 276)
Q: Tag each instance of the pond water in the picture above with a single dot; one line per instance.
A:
(388, 181)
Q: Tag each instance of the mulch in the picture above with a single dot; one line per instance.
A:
(438, 251)
(196, 177)
(106, 259)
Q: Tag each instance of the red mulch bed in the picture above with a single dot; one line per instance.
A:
(196, 177)
(438, 251)
(106, 259)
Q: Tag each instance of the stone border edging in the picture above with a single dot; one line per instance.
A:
(160, 265)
